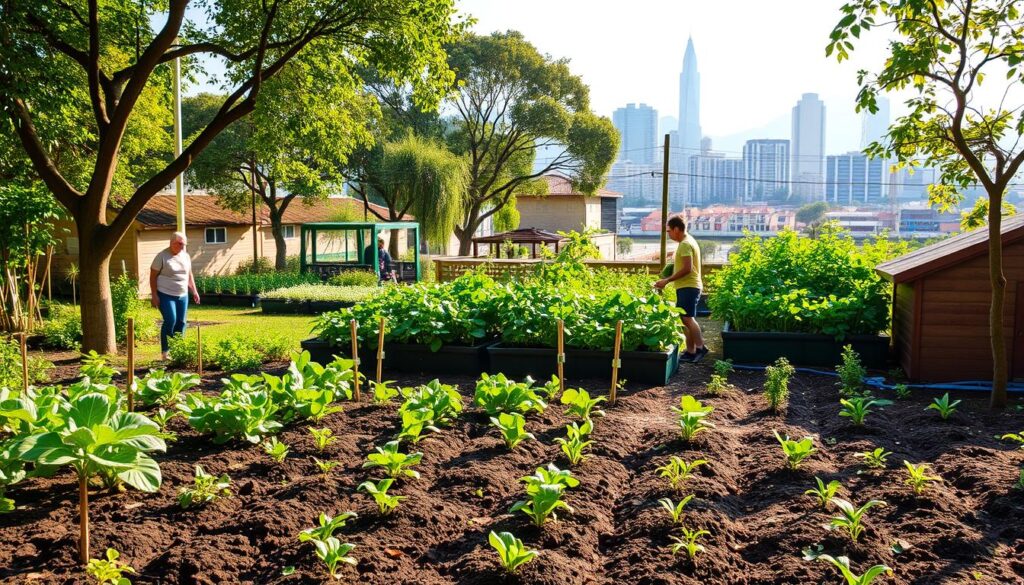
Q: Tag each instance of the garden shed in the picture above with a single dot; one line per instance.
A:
(941, 299)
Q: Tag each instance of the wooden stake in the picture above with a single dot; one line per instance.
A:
(199, 348)
(355, 360)
(24, 361)
(83, 519)
(131, 364)
(380, 348)
(561, 356)
(616, 362)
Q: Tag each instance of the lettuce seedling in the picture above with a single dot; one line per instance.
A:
(205, 488)
(875, 459)
(675, 511)
(162, 417)
(396, 464)
(843, 564)
(550, 389)
(109, 571)
(857, 408)
(240, 412)
(678, 471)
(579, 403)
(497, 394)
(544, 501)
(918, 477)
(158, 387)
(688, 542)
(692, 417)
(276, 449)
(944, 406)
(414, 423)
(442, 402)
(576, 441)
(385, 501)
(511, 551)
(322, 438)
(325, 467)
(795, 451)
(850, 518)
(383, 392)
(326, 526)
(824, 492)
(512, 427)
(549, 475)
(332, 551)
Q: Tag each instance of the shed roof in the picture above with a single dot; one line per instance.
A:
(562, 186)
(521, 236)
(948, 252)
(203, 210)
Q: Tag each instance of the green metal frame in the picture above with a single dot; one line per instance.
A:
(359, 227)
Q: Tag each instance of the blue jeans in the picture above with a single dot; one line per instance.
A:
(174, 311)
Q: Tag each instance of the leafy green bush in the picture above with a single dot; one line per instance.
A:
(323, 292)
(10, 365)
(260, 265)
(62, 328)
(252, 284)
(354, 278)
(230, 353)
(787, 283)
(124, 294)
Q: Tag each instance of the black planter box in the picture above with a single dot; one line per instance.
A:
(649, 367)
(288, 307)
(410, 358)
(230, 300)
(801, 349)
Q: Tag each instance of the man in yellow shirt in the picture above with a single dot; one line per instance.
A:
(686, 280)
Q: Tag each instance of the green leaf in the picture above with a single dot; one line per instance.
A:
(90, 409)
(144, 475)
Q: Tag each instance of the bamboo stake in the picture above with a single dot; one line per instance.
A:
(616, 363)
(561, 356)
(83, 518)
(49, 277)
(355, 360)
(380, 348)
(199, 348)
(131, 364)
(24, 361)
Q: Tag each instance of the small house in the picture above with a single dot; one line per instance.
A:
(941, 301)
(564, 208)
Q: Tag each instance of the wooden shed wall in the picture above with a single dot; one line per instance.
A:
(903, 325)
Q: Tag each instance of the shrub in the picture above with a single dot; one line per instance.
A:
(354, 278)
(776, 384)
(10, 365)
(230, 353)
(63, 328)
(259, 265)
(252, 284)
(851, 372)
(124, 295)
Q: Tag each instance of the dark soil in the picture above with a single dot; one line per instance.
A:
(968, 529)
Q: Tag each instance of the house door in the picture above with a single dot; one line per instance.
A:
(1018, 334)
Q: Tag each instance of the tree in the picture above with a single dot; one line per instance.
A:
(941, 51)
(511, 102)
(89, 103)
(812, 215)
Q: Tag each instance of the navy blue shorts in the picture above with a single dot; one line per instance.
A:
(686, 299)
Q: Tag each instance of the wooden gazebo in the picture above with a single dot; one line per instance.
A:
(531, 236)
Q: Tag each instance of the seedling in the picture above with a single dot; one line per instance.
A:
(332, 551)
(902, 391)
(414, 423)
(843, 564)
(326, 526)
(851, 519)
(385, 501)
(206, 488)
(678, 471)
(720, 379)
(512, 427)
(544, 501)
(325, 467)
(396, 464)
(497, 394)
(322, 438)
(276, 449)
(94, 367)
(549, 475)
(824, 492)
(795, 451)
(511, 551)
(776, 384)
(944, 406)
(162, 417)
(109, 571)
(160, 388)
(550, 388)
(675, 510)
(1015, 437)
(439, 404)
(383, 392)
(579, 403)
(692, 414)
(851, 373)
(576, 441)
(857, 408)
(918, 477)
(688, 542)
(874, 459)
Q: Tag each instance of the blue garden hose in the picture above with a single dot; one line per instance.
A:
(879, 381)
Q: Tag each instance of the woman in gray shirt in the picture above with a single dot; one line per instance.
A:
(170, 280)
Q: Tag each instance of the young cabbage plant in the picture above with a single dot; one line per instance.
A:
(325, 467)
(550, 475)
(511, 551)
(918, 478)
(497, 394)
(322, 437)
(543, 503)
(851, 519)
(576, 441)
(824, 492)
(158, 387)
(163, 417)
(275, 449)
(692, 417)
(875, 459)
(677, 471)
(675, 510)
(857, 408)
(241, 411)
(395, 463)
(512, 427)
(205, 488)
(385, 501)
(439, 404)
(688, 542)
(383, 392)
(795, 451)
(109, 570)
(843, 564)
(326, 525)
(549, 391)
(579, 403)
(944, 406)
(332, 552)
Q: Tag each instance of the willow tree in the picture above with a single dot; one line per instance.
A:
(75, 77)
(941, 51)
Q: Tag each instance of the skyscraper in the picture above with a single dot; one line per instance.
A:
(874, 126)
(765, 169)
(689, 103)
(713, 178)
(638, 126)
(808, 147)
(853, 179)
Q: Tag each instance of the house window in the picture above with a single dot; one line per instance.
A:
(216, 235)
(289, 231)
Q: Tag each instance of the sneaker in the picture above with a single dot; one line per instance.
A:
(701, 352)
(687, 357)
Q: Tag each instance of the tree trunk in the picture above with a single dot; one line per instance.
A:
(281, 258)
(393, 239)
(1000, 367)
(466, 234)
(97, 310)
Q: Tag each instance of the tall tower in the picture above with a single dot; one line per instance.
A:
(689, 141)
(637, 126)
(808, 148)
(874, 126)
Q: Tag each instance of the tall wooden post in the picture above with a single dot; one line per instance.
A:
(199, 349)
(83, 519)
(23, 342)
(561, 356)
(616, 363)
(380, 348)
(131, 364)
(355, 360)
(664, 199)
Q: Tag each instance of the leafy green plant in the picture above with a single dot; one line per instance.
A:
(10, 366)
(1019, 485)
(677, 471)
(63, 328)
(575, 441)
(512, 427)
(322, 292)
(322, 438)
(843, 564)
(94, 367)
(162, 417)
(918, 478)
(414, 423)
(157, 387)
(875, 459)
(675, 510)
(442, 403)
(902, 391)
(354, 278)
(325, 467)
(776, 384)
(688, 542)
(851, 373)
(511, 551)
(395, 463)
(720, 379)
(109, 570)
(275, 449)
(252, 283)
(239, 412)
(795, 451)
(549, 475)
(543, 502)
(383, 392)
(579, 403)
(824, 492)
(944, 406)
(857, 408)
(497, 394)
(326, 525)
(385, 502)
(205, 488)
(692, 417)
(332, 551)
(851, 519)
(1015, 437)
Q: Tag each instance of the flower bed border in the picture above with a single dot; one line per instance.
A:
(801, 349)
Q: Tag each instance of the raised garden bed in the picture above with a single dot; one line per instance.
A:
(650, 367)
(289, 307)
(411, 358)
(230, 300)
(801, 349)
